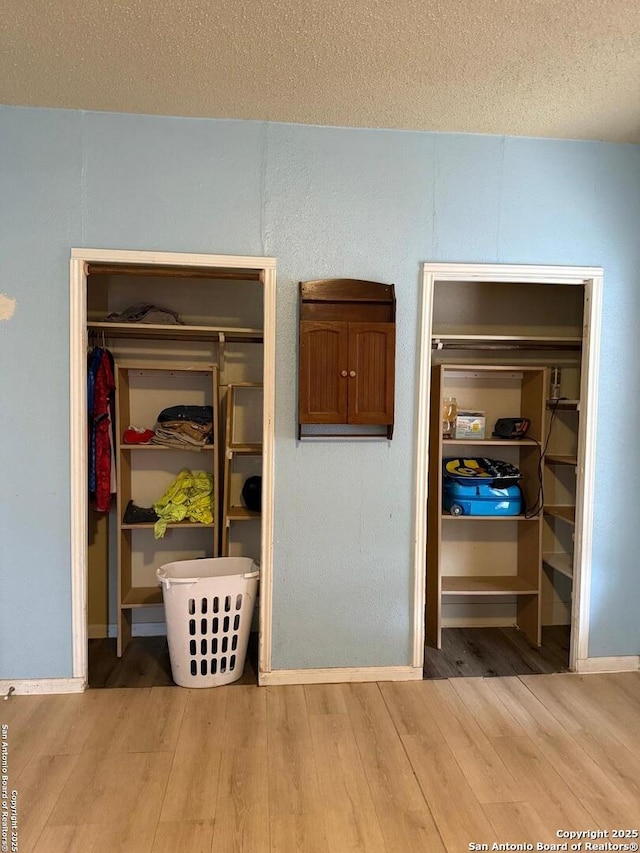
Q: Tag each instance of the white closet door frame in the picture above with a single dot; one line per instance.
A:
(78, 431)
(591, 279)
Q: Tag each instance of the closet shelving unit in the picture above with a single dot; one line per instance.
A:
(454, 567)
(237, 446)
(561, 469)
(134, 380)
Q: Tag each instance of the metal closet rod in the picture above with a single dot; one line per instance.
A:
(511, 345)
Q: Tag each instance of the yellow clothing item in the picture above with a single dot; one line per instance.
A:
(188, 497)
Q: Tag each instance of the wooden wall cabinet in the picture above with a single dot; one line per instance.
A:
(347, 354)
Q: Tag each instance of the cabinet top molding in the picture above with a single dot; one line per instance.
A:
(346, 290)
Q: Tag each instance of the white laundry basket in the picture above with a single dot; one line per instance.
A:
(208, 607)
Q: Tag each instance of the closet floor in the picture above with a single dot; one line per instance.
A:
(146, 663)
(497, 652)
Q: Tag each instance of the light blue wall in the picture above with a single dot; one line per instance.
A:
(325, 202)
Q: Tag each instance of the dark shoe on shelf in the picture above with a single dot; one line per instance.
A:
(139, 514)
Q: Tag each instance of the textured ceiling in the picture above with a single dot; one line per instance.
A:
(557, 68)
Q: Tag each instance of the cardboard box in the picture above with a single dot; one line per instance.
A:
(470, 425)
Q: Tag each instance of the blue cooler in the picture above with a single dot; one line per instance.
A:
(480, 499)
(479, 486)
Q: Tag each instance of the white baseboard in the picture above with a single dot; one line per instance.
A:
(140, 629)
(623, 663)
(340, 674)
(26, 686)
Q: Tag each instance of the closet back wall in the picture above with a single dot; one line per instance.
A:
(326, 202)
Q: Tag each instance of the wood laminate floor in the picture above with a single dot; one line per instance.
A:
(146, 663)
(413, 767)
(497, 651)
(465, 652)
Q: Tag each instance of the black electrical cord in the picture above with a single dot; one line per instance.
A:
(538, 505)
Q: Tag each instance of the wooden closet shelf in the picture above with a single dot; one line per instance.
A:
(241, 513)
(487, 585)
(559, 459)
(170, 526)
(563, 405)
(143, 596)
(171, 332)
(565, 513)
(207, 447)
(560, 562)
(245, 449)
(456, 518)
(490, 441)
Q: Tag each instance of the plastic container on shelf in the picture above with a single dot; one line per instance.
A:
(480, 499)
(209, 607)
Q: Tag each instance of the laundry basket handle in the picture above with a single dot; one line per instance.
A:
(165, 581)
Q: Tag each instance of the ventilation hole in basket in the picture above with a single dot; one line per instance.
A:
(236, 622)
(204, 605)
(238, 601)
(227, 603)
(214, 646)
(216, 604)
(223, 664)
(203, 647)
(214, 666)
(203, 626)
(225, 624)
(203, 667)
(192, 647)
(214, 625)
(192, 606)
(232, 662)
(225, 644)
(194, 668)
(234, 643)
(192, 627)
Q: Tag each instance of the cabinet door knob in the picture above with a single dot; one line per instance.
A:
(352, 373)
(343, 373)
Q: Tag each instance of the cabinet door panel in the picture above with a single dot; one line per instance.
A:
(372, 359)
(323, 360)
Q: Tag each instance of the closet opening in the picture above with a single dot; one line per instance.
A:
(176, 354)
(506, 446)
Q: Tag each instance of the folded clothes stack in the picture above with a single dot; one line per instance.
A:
(137, 435)
(145, 312)
(186, 427)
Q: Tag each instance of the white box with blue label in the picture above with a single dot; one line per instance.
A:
(470, 424)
